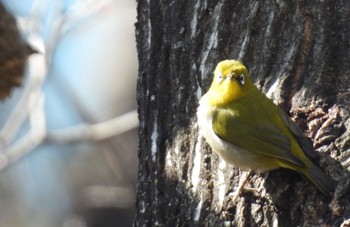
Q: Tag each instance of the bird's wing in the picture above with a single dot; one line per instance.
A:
(270, 141)
(303, 142)
(265, 140)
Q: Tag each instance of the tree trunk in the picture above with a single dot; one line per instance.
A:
(297, 53)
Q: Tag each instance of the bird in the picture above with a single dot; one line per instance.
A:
(249, 131)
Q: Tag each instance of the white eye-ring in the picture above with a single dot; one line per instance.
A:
(241, 79)
(219, 77)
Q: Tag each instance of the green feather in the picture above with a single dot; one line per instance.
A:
(303, 142)
(248, 130)
(253, 130)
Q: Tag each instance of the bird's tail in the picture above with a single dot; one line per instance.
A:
(323, 182)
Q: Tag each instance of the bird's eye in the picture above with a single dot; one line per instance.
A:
(241, 79)
(220, 77)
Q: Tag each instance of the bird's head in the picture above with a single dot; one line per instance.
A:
(231, 82)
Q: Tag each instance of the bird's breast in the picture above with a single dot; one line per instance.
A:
(231, 153)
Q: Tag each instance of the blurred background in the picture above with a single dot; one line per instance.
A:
(69, 134)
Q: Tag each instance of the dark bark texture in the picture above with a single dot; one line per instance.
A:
(13, 54)
(297, 52)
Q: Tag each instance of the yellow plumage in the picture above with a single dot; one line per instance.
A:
(248, 130)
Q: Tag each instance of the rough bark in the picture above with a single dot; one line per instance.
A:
(297, 52)
(13, 54)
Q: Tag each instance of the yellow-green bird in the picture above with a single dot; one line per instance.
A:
(249, 131)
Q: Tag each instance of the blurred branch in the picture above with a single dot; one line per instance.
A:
(31, 103)
(35, 73)
(32, 139)
(108, 196)
(95, 132)
(31, 106)
(38, 134)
